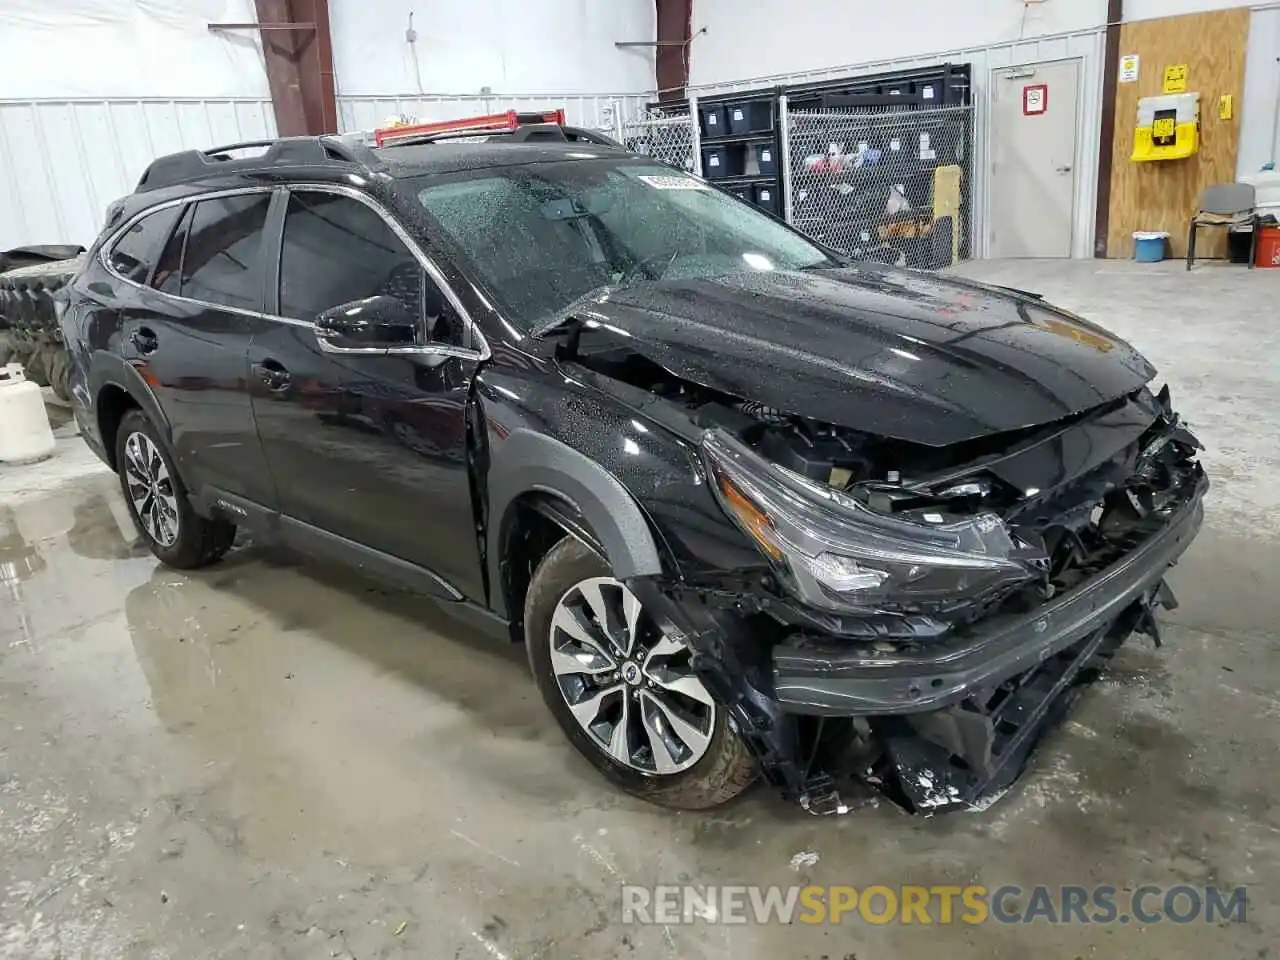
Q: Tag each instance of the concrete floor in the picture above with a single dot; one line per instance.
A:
(265, 760)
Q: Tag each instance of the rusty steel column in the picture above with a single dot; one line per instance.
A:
(675, 30)
(1106, 144)
(326, 85)
(299, 59)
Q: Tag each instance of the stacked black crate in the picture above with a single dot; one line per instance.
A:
(740, 146)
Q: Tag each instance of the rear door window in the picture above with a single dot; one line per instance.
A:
(135, 253)
(222, 260)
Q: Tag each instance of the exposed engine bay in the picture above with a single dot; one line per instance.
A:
(1067, 507)
(1076, 494)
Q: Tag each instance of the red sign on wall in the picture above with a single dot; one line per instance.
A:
(1035, 99)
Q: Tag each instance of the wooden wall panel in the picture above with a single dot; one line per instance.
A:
(1163, 195)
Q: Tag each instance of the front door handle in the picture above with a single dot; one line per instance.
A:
(1064, 169)
(144, 340)
(274, 376)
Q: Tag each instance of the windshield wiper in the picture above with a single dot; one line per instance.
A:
(563, 320)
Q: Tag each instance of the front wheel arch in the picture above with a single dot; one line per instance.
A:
(539, 475)
(532, 525)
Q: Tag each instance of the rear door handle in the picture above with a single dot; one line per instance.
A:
(274, 376)
(144, 339)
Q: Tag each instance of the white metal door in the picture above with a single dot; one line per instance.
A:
(1034, 117)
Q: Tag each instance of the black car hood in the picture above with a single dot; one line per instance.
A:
(899, 354)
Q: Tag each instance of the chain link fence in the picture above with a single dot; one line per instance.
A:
(668, 137)
(884, 184)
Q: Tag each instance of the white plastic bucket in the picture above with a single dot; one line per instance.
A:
(25, 436)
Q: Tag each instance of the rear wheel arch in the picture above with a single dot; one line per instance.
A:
(112, 403)
(117, 390)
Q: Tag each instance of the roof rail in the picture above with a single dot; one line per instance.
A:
(490, 123)
(195, 164)
(532, 132)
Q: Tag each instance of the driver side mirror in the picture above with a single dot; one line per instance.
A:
(372, 325)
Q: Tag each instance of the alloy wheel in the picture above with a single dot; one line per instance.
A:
(151, 489)
(629, 686)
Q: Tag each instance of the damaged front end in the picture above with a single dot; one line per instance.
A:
(926, 613)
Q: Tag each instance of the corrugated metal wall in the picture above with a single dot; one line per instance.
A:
(1086, 46)
(63, 161)
(593, 111)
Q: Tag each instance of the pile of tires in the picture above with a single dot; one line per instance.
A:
(31, 280)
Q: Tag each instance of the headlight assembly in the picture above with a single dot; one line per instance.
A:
(834, 552)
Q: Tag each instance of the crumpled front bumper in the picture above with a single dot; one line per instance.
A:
(828, 677)
(935, 724)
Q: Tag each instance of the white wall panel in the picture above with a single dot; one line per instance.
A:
(767, 37)
(509, 46)
(64, 161)
(1154, 9)
(128, 48)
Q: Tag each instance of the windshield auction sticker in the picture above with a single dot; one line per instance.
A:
(673, 183)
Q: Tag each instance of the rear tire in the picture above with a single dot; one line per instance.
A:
(725, 767)
(35, 370)
(157, 500)
(60, 373)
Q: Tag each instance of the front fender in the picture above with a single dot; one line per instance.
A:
(533, 462)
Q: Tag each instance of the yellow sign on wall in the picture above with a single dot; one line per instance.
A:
(1175, 79)
(1226, 107)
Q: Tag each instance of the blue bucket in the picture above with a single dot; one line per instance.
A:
(1149, 247)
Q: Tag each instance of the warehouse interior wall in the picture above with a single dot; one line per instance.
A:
(1163, 195)
(778, 37)
(118, 49)
(500, 46)
(1156, 9)
(91, 91)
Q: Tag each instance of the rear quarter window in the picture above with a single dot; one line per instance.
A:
(134, 255)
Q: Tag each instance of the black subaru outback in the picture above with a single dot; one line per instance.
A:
(753, 509)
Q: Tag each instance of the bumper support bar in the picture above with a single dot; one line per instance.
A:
(828, 677)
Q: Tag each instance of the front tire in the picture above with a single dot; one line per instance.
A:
(157, 500)
(623, 692)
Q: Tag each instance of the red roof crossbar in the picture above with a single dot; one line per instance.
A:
(494, 122)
